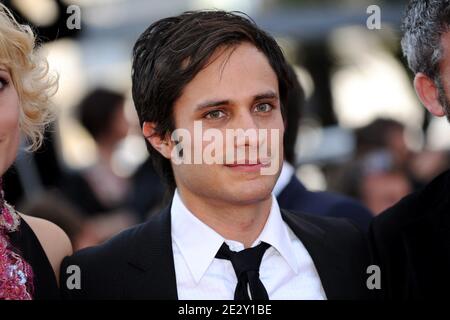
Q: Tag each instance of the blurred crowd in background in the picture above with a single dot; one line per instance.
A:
(358, 128)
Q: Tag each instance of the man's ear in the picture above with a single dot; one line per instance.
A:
(428, 93)
(163, 145)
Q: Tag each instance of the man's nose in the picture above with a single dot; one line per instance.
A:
(245, 120)
(246, 128)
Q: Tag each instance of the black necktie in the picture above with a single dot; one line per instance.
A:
(246, 265)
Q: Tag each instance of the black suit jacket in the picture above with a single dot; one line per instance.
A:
(411, 244)
(138, 263)
(296, 197)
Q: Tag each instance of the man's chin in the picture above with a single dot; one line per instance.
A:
(250, 194)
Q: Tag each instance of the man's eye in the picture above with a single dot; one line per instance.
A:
(215, 114)
(263, 107)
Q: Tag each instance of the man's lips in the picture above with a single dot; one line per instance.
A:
(248, 162)
(243, 164)
(247, 167)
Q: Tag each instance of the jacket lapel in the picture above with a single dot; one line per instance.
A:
(326, 258)
(152, 261)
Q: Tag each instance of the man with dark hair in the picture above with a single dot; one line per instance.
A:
(223, 235)
(411, 240)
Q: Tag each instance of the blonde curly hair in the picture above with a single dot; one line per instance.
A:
(30, 76)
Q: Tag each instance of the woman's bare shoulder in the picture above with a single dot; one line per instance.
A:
(53, 239)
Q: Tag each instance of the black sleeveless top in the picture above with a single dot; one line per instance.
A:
(28, 246)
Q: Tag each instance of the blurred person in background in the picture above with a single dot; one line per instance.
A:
(97, 190)
(381, 190)
(410, 241)
(31, 249)
(380, 173)
(380, 183)
(387, 134)
(290, 191)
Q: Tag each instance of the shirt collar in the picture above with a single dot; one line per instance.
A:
(276, 233)
(198, 243)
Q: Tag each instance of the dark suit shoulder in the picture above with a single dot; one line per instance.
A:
(100, 266)
(414, 206)
(347, 207)
(343, 234)
(296, 197)
(400, 213)
(340, 235)
(329, 225)
(335, 200)
(114, 249)
(340, 253)
(406, 231)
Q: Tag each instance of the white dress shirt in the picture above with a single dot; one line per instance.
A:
(287, 270)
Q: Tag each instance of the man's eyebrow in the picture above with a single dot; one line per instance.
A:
(215, 103)
(212, 103)
(265, 95)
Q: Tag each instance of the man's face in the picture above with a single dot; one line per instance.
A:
(237, 90)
